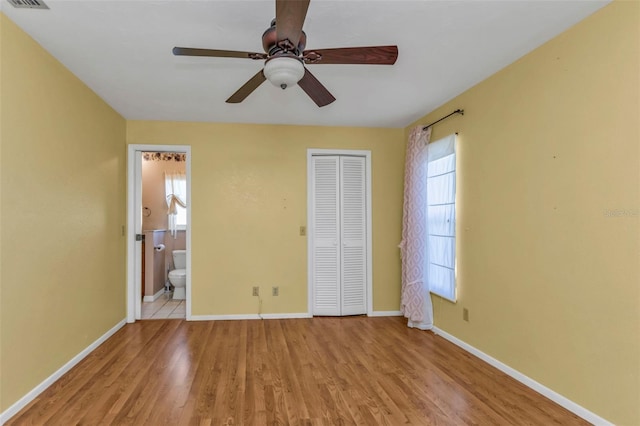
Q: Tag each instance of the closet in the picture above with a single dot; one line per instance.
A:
(338, 245)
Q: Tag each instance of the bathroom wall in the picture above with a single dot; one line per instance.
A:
(549, 214)
(155, 218)
(153, 192)
(155, 262)
(177, 242)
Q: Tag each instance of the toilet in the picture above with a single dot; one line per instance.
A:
(178, 277)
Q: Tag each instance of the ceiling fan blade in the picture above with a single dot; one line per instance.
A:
(290, 16)
(315, 89)
(188, 51)
(371, 55)
(247, 89)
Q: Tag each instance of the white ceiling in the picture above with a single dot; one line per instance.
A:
(122, 50)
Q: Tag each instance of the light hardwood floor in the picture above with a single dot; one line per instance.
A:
(320, 371)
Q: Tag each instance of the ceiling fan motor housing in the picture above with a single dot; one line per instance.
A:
(270, 41)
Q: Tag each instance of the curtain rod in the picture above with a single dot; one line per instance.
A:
(458, 111)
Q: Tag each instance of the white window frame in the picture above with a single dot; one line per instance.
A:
(437, 150)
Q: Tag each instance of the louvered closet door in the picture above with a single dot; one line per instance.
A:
(326, 253)
(353, 234)
(339, 233)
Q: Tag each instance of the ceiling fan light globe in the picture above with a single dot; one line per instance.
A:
(284, 72)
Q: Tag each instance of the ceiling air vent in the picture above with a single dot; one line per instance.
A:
(29, 4)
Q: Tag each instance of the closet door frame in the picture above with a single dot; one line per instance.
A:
(310, 220)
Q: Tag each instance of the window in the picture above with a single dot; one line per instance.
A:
(176, 193)
(441, 217)
(181, 218)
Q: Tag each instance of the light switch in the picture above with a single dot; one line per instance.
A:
(303, 231)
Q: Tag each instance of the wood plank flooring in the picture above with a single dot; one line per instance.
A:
(320, 371)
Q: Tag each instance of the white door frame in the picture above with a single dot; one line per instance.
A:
(354, 153)
(134, 260)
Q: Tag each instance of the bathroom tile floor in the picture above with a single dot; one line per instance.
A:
(164, 308)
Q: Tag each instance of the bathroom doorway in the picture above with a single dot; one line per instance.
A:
(158, 176)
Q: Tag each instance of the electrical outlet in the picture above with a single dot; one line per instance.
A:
(256, 291)
(275, 291)
(465, 314)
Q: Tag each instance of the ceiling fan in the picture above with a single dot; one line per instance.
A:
(285, 57)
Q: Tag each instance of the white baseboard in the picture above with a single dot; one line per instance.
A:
(278, 316)
(385, 314)
(527, 381)
(22, 402)
(154, 297)
(224, 317)
(287, 316)
(248, 317)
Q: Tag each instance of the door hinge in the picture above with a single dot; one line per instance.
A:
(139, 237)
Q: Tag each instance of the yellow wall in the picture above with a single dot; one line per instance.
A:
(548, 146)
(249, 198)
(63, 205)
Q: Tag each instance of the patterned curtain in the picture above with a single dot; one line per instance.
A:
(415, 298)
